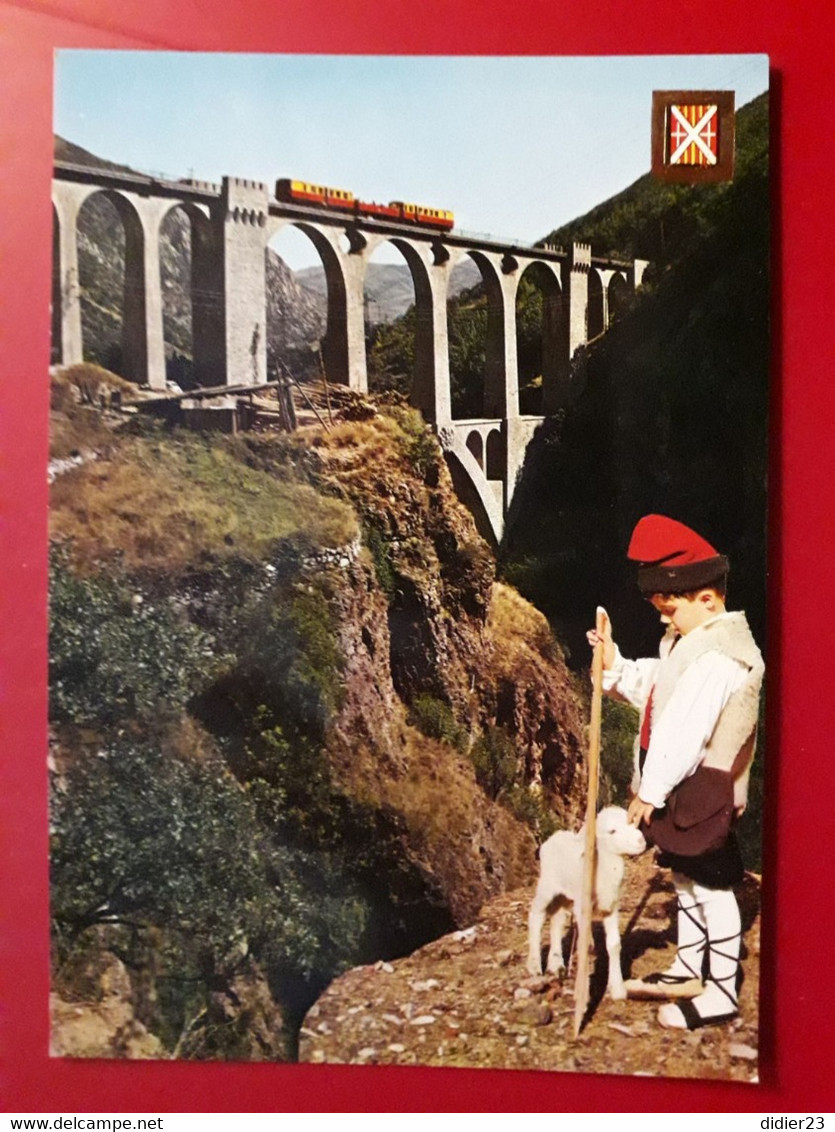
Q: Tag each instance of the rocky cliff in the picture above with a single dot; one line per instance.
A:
(297, 725)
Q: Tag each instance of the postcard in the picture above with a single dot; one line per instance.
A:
(386, 392)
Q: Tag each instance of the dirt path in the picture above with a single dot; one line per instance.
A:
(467, 1000)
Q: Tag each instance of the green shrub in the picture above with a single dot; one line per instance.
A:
(291, 784)
(530, 807)
(352, 850)
(391, 355)
(496, 762)
(93, 381)
(436, 720)
(116, 655)
(619, 727)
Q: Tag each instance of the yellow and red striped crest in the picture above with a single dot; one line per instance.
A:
(693, 134)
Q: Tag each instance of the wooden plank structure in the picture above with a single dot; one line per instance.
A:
(584, 913)
(283, 410)
(207, 391)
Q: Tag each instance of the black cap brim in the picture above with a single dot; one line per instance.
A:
(657, 578)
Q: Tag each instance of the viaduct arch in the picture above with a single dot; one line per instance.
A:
(232, 224)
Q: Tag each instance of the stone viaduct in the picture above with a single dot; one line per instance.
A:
(231, 226)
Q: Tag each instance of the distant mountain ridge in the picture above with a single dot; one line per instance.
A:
(389, 290)
(76, 155)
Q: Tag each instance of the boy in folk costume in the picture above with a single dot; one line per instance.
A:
(699, 703)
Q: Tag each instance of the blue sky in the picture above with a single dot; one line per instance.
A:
(513, 145)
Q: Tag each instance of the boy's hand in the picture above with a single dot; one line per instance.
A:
(604, 638)
(639, 811)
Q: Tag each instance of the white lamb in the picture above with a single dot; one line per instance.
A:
(560, 886)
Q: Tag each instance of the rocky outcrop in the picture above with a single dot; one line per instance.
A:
(453, 631)
(536, 699)
(102, 1022)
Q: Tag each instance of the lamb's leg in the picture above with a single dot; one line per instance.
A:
(536, 919)
(555, 963)
(612, 927)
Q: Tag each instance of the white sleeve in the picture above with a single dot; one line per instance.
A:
(630, 680)
(679, 735)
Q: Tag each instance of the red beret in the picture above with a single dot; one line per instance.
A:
(673, 558)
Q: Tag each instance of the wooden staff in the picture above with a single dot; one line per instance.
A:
(584, 935)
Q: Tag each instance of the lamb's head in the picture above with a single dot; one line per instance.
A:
(616, 835)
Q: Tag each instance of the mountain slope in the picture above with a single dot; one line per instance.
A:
(670, 416)
(389, 290)
(657, 221)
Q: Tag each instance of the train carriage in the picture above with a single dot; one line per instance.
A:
(419, 214)
(307, 193)
(324, 196)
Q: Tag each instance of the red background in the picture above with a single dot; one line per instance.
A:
(798, 933)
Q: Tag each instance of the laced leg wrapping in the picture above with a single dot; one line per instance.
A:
(691, 931)
(724, 938)
(718, 1001)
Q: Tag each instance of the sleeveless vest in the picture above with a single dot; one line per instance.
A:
(731, 746)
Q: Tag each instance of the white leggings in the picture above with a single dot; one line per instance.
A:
(708, 921)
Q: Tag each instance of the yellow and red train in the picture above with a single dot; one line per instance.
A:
(302, 192)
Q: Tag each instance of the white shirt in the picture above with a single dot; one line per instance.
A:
(681, 732)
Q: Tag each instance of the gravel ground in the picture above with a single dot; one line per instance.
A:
(466, 1000)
